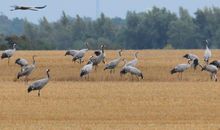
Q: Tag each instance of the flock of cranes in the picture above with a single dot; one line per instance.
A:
(129, 67)
(77, 56)
(193, 61)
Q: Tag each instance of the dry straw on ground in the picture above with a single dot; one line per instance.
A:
(159, 102)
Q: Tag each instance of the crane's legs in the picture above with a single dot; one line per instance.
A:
(38, 93)
(26, 79)
(181, 75)
(137, 78)
(8, 60)
(88, 76)
(211, 76)
(216, 79)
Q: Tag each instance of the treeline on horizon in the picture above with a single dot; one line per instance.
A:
(157, 28)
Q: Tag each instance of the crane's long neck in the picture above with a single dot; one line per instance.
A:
(102, 49)
(33, 60)
(207, 47)
(135, 55)
(87, 45)
(48, 75)
(14, 47)
(125, 62)
(119, 54)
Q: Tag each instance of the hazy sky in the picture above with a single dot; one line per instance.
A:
(87, 8)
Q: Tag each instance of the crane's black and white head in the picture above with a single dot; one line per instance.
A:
(207, 43)
(17, 60)
(136, 54)
(47, 70)
(14, 46)
(67, 53)
(186, 56)
(123, 72)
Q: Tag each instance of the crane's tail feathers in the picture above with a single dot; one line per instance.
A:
(215, 63)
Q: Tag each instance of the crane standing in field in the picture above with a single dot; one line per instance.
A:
(100, 56)
(27, 70)
(86, 69)
(192, 57)
(132, 70)
(114, 63)
(207, 54)
(39, 84)
(212, 69)
(9, 53)
(180, 68)
(77, 54)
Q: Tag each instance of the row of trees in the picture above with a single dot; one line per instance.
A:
(155, 29)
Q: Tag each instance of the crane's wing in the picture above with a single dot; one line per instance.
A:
(32, 9)
(41, 7)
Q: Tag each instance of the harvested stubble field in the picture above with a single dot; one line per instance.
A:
(107, 101)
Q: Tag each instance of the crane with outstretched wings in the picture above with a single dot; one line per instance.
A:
(15, 7)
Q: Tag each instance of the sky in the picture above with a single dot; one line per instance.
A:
(111, 8)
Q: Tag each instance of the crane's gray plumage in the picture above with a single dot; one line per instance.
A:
(134, 61)
(212, 69)
(27, 70)
(114, 63)
(39, 84)
(71, 52)
(215, 63)
(98, 59)
(8, 53)
(180, 68)
(132, 70)
(190, 56)
(86, 69)
(77, 54)
(21, 62)
(15, 7)
(207, 54)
